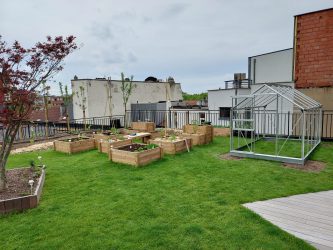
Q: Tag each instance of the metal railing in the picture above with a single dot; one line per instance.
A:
(177, 118)
(237, 84)
(38, 130)
(172, 118)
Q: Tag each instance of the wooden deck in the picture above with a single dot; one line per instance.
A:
(306, 216)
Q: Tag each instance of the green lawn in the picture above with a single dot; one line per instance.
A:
(290, 148)
(188, 201)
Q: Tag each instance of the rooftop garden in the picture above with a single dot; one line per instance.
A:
(184, 201)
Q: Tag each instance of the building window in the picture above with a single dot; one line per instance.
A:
(224, 113)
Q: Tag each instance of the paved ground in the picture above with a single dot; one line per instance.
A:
(307, 216)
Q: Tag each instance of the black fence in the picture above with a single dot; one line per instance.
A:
(172, 119)
(36, 130)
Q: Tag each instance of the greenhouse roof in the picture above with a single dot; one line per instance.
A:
(268, 93)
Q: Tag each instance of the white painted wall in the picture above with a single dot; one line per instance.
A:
(222, 97)
(272, 67)
(98, 101)
(268, 122)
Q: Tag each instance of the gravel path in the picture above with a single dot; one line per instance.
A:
(35, 147)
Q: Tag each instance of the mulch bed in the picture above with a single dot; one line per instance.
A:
(17, 183)
(310, 166)
(228, 156)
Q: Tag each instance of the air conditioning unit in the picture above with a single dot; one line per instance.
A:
(239, 76)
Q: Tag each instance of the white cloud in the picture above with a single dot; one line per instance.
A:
(199, 43)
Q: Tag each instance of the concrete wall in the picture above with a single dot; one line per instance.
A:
(322, 95)
(98, 102)
(272, 67)
(314, 49)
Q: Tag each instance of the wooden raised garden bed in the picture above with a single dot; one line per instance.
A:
(197, 139)
(173, 146)
(19, 204)
(104, 136)
(144, 126)
(221, 131)
(206, 130)
(104, 146)
(74, 145)
(135, 154)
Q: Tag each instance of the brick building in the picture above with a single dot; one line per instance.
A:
(55, 109)
(313, 55)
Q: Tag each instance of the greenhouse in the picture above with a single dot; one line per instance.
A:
(276, 122)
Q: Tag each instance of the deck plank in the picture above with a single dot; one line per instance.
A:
(306, 216)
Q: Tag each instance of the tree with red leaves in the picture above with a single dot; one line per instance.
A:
(22, 71)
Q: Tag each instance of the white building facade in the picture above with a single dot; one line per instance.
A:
(104, 97)
(270, 68)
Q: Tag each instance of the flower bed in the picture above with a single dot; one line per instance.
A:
(104, 146)
(136, 154)
(144, 126)
(173, 145)
(206, 130)
(24, 202)
(74, 145)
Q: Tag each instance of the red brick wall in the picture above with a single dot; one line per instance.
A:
(314, 49)
(54, 114)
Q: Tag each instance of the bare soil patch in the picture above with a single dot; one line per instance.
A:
(17, 183)
(310, 166)
(133, 147)
(228, 156)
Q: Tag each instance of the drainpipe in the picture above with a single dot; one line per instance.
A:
(295, 48)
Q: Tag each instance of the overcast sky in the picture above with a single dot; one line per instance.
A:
(200, 43)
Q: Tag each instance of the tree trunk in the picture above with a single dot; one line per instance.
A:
(84, 119)
(7, 143)
(125, 120)
(46, 117)
(3, 180)
(67, 121)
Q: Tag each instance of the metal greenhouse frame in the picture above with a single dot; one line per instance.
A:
(276, 122)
